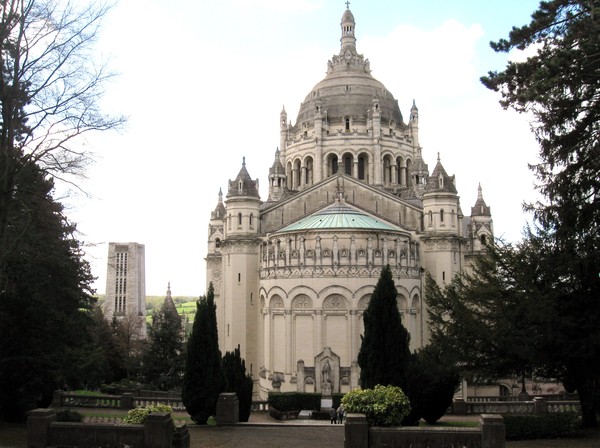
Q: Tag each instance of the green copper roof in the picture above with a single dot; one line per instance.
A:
(338, 216)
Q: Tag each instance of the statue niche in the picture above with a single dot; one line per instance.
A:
(327, 372)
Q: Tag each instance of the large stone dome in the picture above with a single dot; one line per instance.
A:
(349, 89)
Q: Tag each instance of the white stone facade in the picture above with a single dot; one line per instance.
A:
(126, 285)
(349, 193)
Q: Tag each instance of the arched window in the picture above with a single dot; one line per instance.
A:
(430, 218)
(217, 243)
(482, 239)
(251, 219)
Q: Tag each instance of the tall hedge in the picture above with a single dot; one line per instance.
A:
(203, 379)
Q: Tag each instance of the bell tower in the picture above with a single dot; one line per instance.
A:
(237, 312)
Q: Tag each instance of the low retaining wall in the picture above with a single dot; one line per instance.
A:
(358, 434)
(157, 432)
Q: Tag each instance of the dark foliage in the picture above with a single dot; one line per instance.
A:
(46, 303)
(560, 87)
(163, 358)
(384, 354)
(545, 426)
(236, 380)
(433, 380)
(203, 379)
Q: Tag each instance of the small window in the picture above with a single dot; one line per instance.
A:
(239, 277)
(442, 215)
(217, 243)
(251, 219)
(347, 123)
(239, 219)
(483, 239)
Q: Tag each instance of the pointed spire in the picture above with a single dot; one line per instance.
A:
(218, 212)
(480, 208)
(169, 290)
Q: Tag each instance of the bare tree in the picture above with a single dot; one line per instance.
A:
(50, 88)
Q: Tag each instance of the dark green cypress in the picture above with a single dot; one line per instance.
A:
(384, 353)
(203, 379)
(236, 380)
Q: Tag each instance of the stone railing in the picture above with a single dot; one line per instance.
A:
(175, 403)
(358, 434)
(547, 397)
(157, 432)
(124, 401)
(539, 405)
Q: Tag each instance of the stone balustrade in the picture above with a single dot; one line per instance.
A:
(538, 405)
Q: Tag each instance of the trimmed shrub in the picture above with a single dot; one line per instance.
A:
(138, 415)
(545, 426)
(67, 415)
(294, 401)
(383, 405)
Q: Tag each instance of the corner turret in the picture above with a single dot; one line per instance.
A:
(277, 180)
(481, 227)
(413, 125)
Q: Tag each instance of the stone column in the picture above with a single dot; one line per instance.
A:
(288, 337)
(300, 377)
(228, 409)
(492, 431)
(459, 406)
(158, 430)
(356, 431)
(38, 425)
(540, 405)
(127, 401)
(318, 337)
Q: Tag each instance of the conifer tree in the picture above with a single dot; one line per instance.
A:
(558, 85)
(203, 379)
(384, 354)
(236, 380)
(163, 359)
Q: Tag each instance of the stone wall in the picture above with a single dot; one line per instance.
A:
(157, 432)
(490, 434)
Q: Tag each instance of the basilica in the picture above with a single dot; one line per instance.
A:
(349, 192)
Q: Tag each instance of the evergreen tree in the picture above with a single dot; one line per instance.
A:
(164, 357)
(45, 302)
(203, 379)
(384, 354)
(236, 380)
(432, 380)
(559, 85)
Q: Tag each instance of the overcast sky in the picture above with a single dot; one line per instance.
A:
(203, 82)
